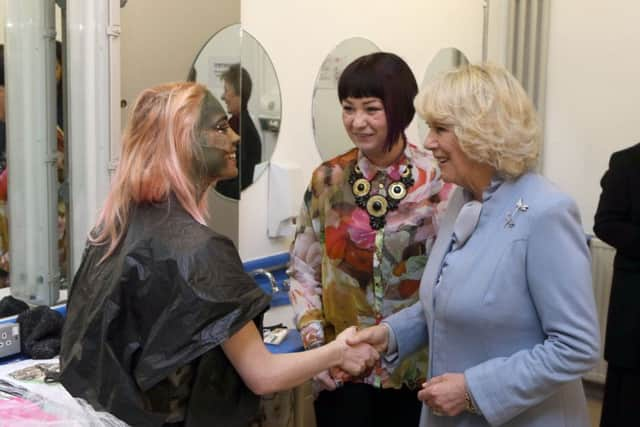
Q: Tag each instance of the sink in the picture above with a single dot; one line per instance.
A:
(281, 314)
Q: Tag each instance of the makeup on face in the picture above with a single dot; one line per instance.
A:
(217, 141)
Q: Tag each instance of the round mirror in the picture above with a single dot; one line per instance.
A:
(446, 59)
(331, 137)
(248, 88)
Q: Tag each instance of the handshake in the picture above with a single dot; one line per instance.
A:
(360, 353)
(446, 394)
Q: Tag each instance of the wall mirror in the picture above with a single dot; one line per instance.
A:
(331, 137)
(446, 59)
(248, 87)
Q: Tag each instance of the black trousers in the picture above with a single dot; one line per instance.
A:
(621, 398)
(362, 405)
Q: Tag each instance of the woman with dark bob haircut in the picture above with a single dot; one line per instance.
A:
(365, 226)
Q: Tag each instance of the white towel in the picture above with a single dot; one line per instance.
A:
(286, 189)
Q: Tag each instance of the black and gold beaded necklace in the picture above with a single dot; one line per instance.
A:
(385, 200)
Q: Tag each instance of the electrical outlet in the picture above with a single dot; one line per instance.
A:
(9, 339)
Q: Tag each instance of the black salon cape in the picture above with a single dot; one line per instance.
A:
(170, 295)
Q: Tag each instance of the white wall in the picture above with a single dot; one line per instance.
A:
(298, 36)
(593, 93)
(497, 32)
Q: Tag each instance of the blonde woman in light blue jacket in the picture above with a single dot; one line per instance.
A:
(506, 304)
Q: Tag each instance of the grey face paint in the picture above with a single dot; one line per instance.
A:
(213, 158)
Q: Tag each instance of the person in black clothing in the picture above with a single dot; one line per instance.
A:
(617, 222)
(237, 91)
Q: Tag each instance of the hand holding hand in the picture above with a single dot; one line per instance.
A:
(356, 358)
(339, 376)
(445, 394)
(376, 336)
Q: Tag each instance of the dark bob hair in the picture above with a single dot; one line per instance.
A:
(386, 76)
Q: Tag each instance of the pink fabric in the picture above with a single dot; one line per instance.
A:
(18, 409)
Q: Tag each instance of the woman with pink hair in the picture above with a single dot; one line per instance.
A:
(162, 322)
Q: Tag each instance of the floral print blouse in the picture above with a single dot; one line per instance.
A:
(343, 272)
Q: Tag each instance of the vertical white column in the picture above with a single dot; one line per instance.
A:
(31, 123)
(93, 129)
(528, 49)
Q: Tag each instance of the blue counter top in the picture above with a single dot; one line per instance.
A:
(291, 344)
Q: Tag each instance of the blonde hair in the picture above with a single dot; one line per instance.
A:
(158, 157)
(490, 113)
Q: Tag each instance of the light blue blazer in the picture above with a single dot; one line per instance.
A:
(514, 310)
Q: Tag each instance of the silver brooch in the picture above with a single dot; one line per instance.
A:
(510, 217)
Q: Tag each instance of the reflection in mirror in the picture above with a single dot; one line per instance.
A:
(330, 134)
(251, 93)
(33, 218)
(446, 59)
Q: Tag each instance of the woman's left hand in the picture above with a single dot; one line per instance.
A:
(445, 394)
(356, 359)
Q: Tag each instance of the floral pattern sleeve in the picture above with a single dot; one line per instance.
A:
(305, 277)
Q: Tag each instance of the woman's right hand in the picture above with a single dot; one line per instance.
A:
(356, 358)
(330, 380)
(323, 381)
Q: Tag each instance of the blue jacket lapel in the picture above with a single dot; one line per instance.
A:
(441, 246)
